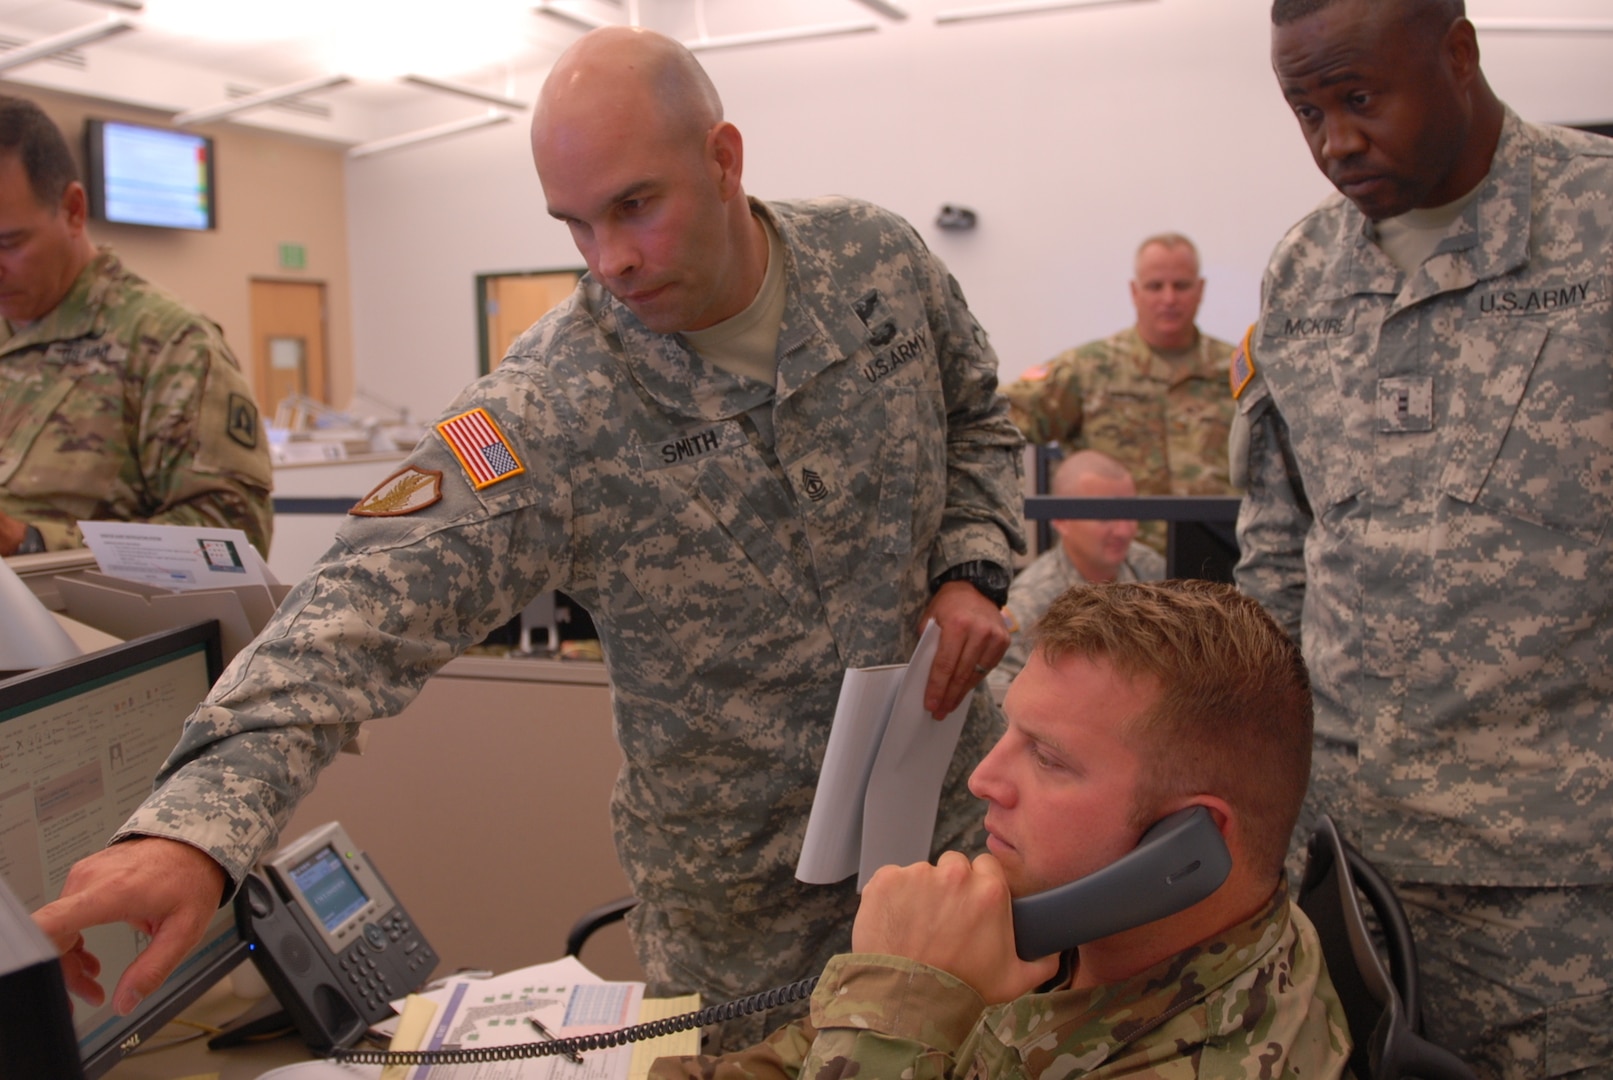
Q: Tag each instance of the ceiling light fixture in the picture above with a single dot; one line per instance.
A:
(126, 5)
(466, 91)
(1025, 7)
(885, 8)
(767, 37)
(440, 131)
(1546, 26)
(576, 18)
(262, 97)
(38, 50)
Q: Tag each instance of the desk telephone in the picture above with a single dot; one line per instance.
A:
(1181, 860)
(329, 938)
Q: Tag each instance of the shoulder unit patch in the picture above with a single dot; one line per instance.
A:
(405, 491)
(481, 448)
(1242, 370)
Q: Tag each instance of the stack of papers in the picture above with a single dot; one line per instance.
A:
(564, 997)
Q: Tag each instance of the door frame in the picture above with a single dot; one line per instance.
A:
(484, 361)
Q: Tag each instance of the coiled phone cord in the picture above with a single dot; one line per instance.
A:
(712, 1014)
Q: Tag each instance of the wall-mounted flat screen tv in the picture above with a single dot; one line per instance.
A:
(144, 175)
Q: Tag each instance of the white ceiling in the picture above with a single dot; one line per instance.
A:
(192, 54)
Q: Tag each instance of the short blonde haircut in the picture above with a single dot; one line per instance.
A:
(1233, 689)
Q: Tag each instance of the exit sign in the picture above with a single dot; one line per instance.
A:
(293, 257)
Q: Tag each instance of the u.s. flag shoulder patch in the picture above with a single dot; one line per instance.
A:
(481, 448)
(1241, 372)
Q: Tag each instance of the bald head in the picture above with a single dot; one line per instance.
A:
(629, 75)
(1066, 481)
(636, 160)
(1096, 548)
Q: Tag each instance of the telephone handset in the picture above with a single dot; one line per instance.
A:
(1181, 860)
(330, 938)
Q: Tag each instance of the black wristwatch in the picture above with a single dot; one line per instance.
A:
(988, 578)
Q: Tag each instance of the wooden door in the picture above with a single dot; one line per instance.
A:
(288, 342)
(513, 302)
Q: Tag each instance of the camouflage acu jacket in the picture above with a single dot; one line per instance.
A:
(1430, 508)
(1254, 1001)
(1166, 423)
(122, 404)
(732, 577)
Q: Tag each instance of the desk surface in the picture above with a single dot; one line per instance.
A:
(193, 1059)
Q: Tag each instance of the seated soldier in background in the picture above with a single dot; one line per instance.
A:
(1089, 551)
(1139, 700)
(117, 402)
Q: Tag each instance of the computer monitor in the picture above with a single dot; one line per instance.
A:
(1201, 549)
(80, 744)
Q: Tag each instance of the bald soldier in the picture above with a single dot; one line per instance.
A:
(117, 402)
(1430, 510)
(1152, 396)
(760, 443)
(1090, 551)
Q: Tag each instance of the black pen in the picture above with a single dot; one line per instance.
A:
(542, 1029)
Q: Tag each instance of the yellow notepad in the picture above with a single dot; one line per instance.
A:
(677, 1044)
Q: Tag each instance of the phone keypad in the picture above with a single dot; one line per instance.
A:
(371, 972)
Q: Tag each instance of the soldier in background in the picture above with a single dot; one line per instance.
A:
(1430, 510)
(117, 402)
(1153, 396)
(1089, 551)
(1139, 701)
(760, 443)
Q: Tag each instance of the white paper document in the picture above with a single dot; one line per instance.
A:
(880, 784)
(564, 996)
(176, 556)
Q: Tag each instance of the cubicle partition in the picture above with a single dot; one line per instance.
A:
(1201, 541)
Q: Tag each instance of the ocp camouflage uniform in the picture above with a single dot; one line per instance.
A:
(122, 404)
(1165, 420)
(737, 547)
(1253, 1001)
(1430, 509)
(1050, 576)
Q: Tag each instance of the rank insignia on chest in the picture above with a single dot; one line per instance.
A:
(405, 491)
(1406, 403)
(481, 448)
(1242, 371)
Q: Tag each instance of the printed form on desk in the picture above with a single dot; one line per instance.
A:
(880, 784)
(564, 996)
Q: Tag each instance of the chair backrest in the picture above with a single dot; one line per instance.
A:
(1381, 1002)
(597, 918)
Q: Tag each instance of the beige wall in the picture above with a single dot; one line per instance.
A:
(484, 804)
(271, 190)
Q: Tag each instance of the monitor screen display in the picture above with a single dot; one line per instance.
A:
(80, 744)
(144, 175)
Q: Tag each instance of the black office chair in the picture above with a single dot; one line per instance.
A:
(1381, 1006)
(595, 919)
